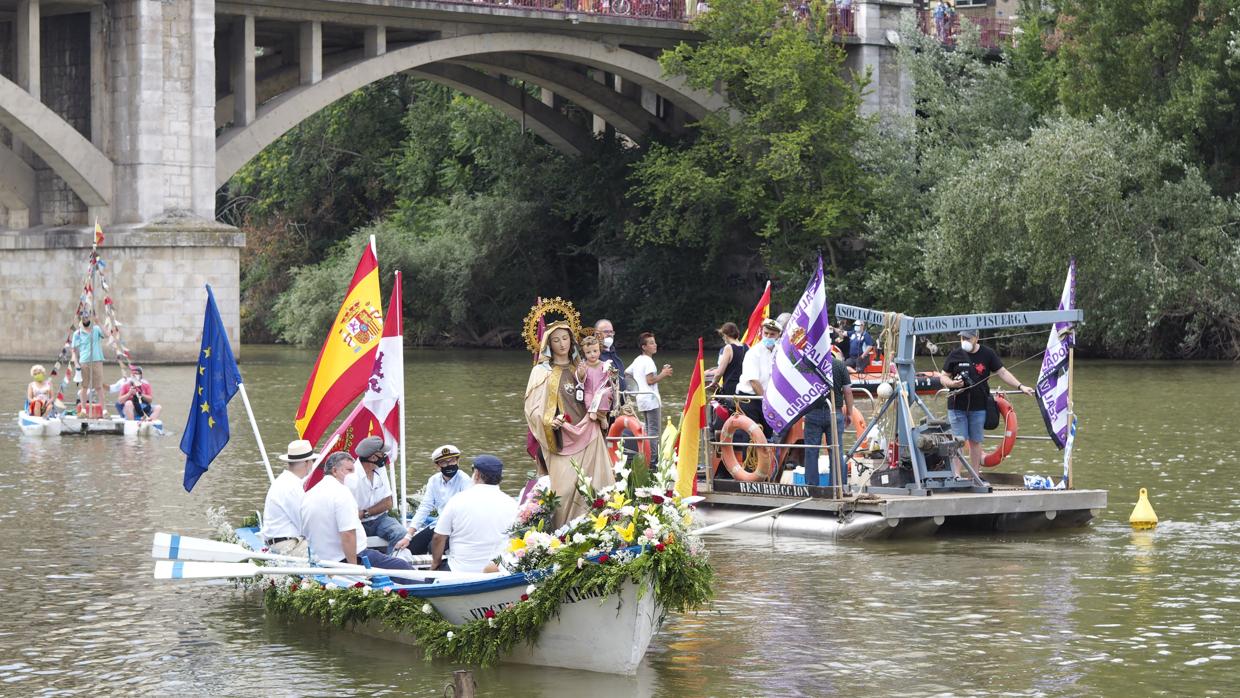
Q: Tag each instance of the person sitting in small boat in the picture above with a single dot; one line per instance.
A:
(476, 521)
(39, 399)
(282, 509)
(330, 523)
(441, 487)
(372, 492)
(137, 398)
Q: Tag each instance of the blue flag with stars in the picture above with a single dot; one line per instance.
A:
(216, 382)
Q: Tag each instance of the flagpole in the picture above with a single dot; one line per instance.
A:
(245, 399)
(1071, 410)
(404, 478)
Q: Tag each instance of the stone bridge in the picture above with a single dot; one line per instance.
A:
(134, 112)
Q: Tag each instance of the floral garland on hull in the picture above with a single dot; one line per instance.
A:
(643, 537)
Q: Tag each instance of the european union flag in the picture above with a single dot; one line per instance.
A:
(206, 433)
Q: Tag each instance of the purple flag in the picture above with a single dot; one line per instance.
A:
(1052, 385)
(802, 371)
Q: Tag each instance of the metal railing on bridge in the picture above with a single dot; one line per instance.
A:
(995, 33)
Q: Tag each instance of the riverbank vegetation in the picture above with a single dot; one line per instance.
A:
(1108, 133)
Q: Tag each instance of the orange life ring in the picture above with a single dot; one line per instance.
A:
(996, 456)
(763, 460)
(634, 427)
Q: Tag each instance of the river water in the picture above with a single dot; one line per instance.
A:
(1102, 610)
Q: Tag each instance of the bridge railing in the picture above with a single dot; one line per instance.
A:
(995, 33)
(669, 10)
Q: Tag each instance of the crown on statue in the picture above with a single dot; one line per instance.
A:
(553, 306)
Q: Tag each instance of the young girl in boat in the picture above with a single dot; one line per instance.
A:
(39, 393)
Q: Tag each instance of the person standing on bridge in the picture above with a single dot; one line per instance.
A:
(966, 371)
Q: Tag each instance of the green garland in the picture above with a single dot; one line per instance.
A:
(590, 554)
(681, 581)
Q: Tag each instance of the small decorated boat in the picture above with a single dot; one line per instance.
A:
(38, 426)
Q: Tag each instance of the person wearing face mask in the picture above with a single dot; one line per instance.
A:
(88, 353)
(756, 372)
(372, 492)
(966, 372)
(607, 336)
(39, 393)
(860, 347)
(441, 487)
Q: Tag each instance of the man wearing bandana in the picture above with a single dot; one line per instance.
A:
(441, 487)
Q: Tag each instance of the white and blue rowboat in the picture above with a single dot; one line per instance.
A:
(38, 426)
(604, 634)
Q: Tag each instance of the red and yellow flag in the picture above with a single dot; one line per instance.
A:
(689, 446)
(98, 233)
(761, 311)
(348, 353)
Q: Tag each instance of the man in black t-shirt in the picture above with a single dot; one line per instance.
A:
(966, 371)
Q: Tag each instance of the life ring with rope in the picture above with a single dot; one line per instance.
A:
(627, 422)
(761, 457)
(1010, 426)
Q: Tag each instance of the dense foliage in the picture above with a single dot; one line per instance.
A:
(1107, 132)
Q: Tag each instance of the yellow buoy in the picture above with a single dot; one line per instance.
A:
(1143, 515)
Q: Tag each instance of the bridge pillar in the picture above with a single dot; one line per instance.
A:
(877, 24)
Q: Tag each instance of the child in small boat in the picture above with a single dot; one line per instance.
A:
(596, 381)
(39, 393)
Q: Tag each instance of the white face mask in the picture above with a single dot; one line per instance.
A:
(607, 342)
(966, 345)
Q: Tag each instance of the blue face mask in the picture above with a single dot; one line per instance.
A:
(768, 342)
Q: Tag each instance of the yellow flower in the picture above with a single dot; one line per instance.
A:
(688, 520)
(626, 532)
(618, 501)
(555, 543)
(600, 521)
(515, 544)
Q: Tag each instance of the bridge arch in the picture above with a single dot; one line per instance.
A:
(239, 144)
(70, 155)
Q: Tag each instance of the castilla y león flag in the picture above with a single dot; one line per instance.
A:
(343, 369)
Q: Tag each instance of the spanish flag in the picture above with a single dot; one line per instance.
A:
(98, 233)
(691, 430)
(348, 354)
(761, 311)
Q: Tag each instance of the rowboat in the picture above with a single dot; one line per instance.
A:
(575, 639)
(38, 426)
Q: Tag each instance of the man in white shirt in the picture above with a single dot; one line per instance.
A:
(282, 508)
(373, 493)
(476, 520)
(756, 372)
(646, 383)
(330, 522)
(441, 487)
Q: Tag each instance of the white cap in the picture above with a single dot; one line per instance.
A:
(445, 451)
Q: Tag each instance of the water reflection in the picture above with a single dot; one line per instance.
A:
(1098, 611)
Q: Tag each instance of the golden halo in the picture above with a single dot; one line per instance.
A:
(558, 306)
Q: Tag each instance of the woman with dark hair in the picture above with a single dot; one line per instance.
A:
(727, 372)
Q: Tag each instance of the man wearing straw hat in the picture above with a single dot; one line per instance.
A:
(282, 509)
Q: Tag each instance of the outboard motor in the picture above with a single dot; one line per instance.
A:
(938, 445)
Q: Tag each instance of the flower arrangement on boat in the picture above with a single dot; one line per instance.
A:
(636, 531)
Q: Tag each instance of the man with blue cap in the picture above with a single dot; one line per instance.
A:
(476, 521)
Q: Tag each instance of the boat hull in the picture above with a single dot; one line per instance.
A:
(608, 634)
(111, 425)
(38, 426)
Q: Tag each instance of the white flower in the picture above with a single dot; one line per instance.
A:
(426, 608)
(451, 634)
(306, 584)
(580, 562)
(331, 586)
(579, 538)
(365, 591)
(491, 622)
(529, 590)
(622, 485)
(331, 602)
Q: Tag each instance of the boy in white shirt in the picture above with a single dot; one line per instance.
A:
(646, 378)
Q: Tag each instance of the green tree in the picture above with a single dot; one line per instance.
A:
(779, 165)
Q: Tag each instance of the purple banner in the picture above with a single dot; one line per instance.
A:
(1052, 388)
(802, 371)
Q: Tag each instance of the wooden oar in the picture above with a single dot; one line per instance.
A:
(748, 517)
(172, 546)
(176, 569)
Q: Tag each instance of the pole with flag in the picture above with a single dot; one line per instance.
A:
(1054, 387)
(691, 423)
(343, 368)
(761, 311)
(385, 391)
(215, 382)
(802, 370)
(359, 424)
